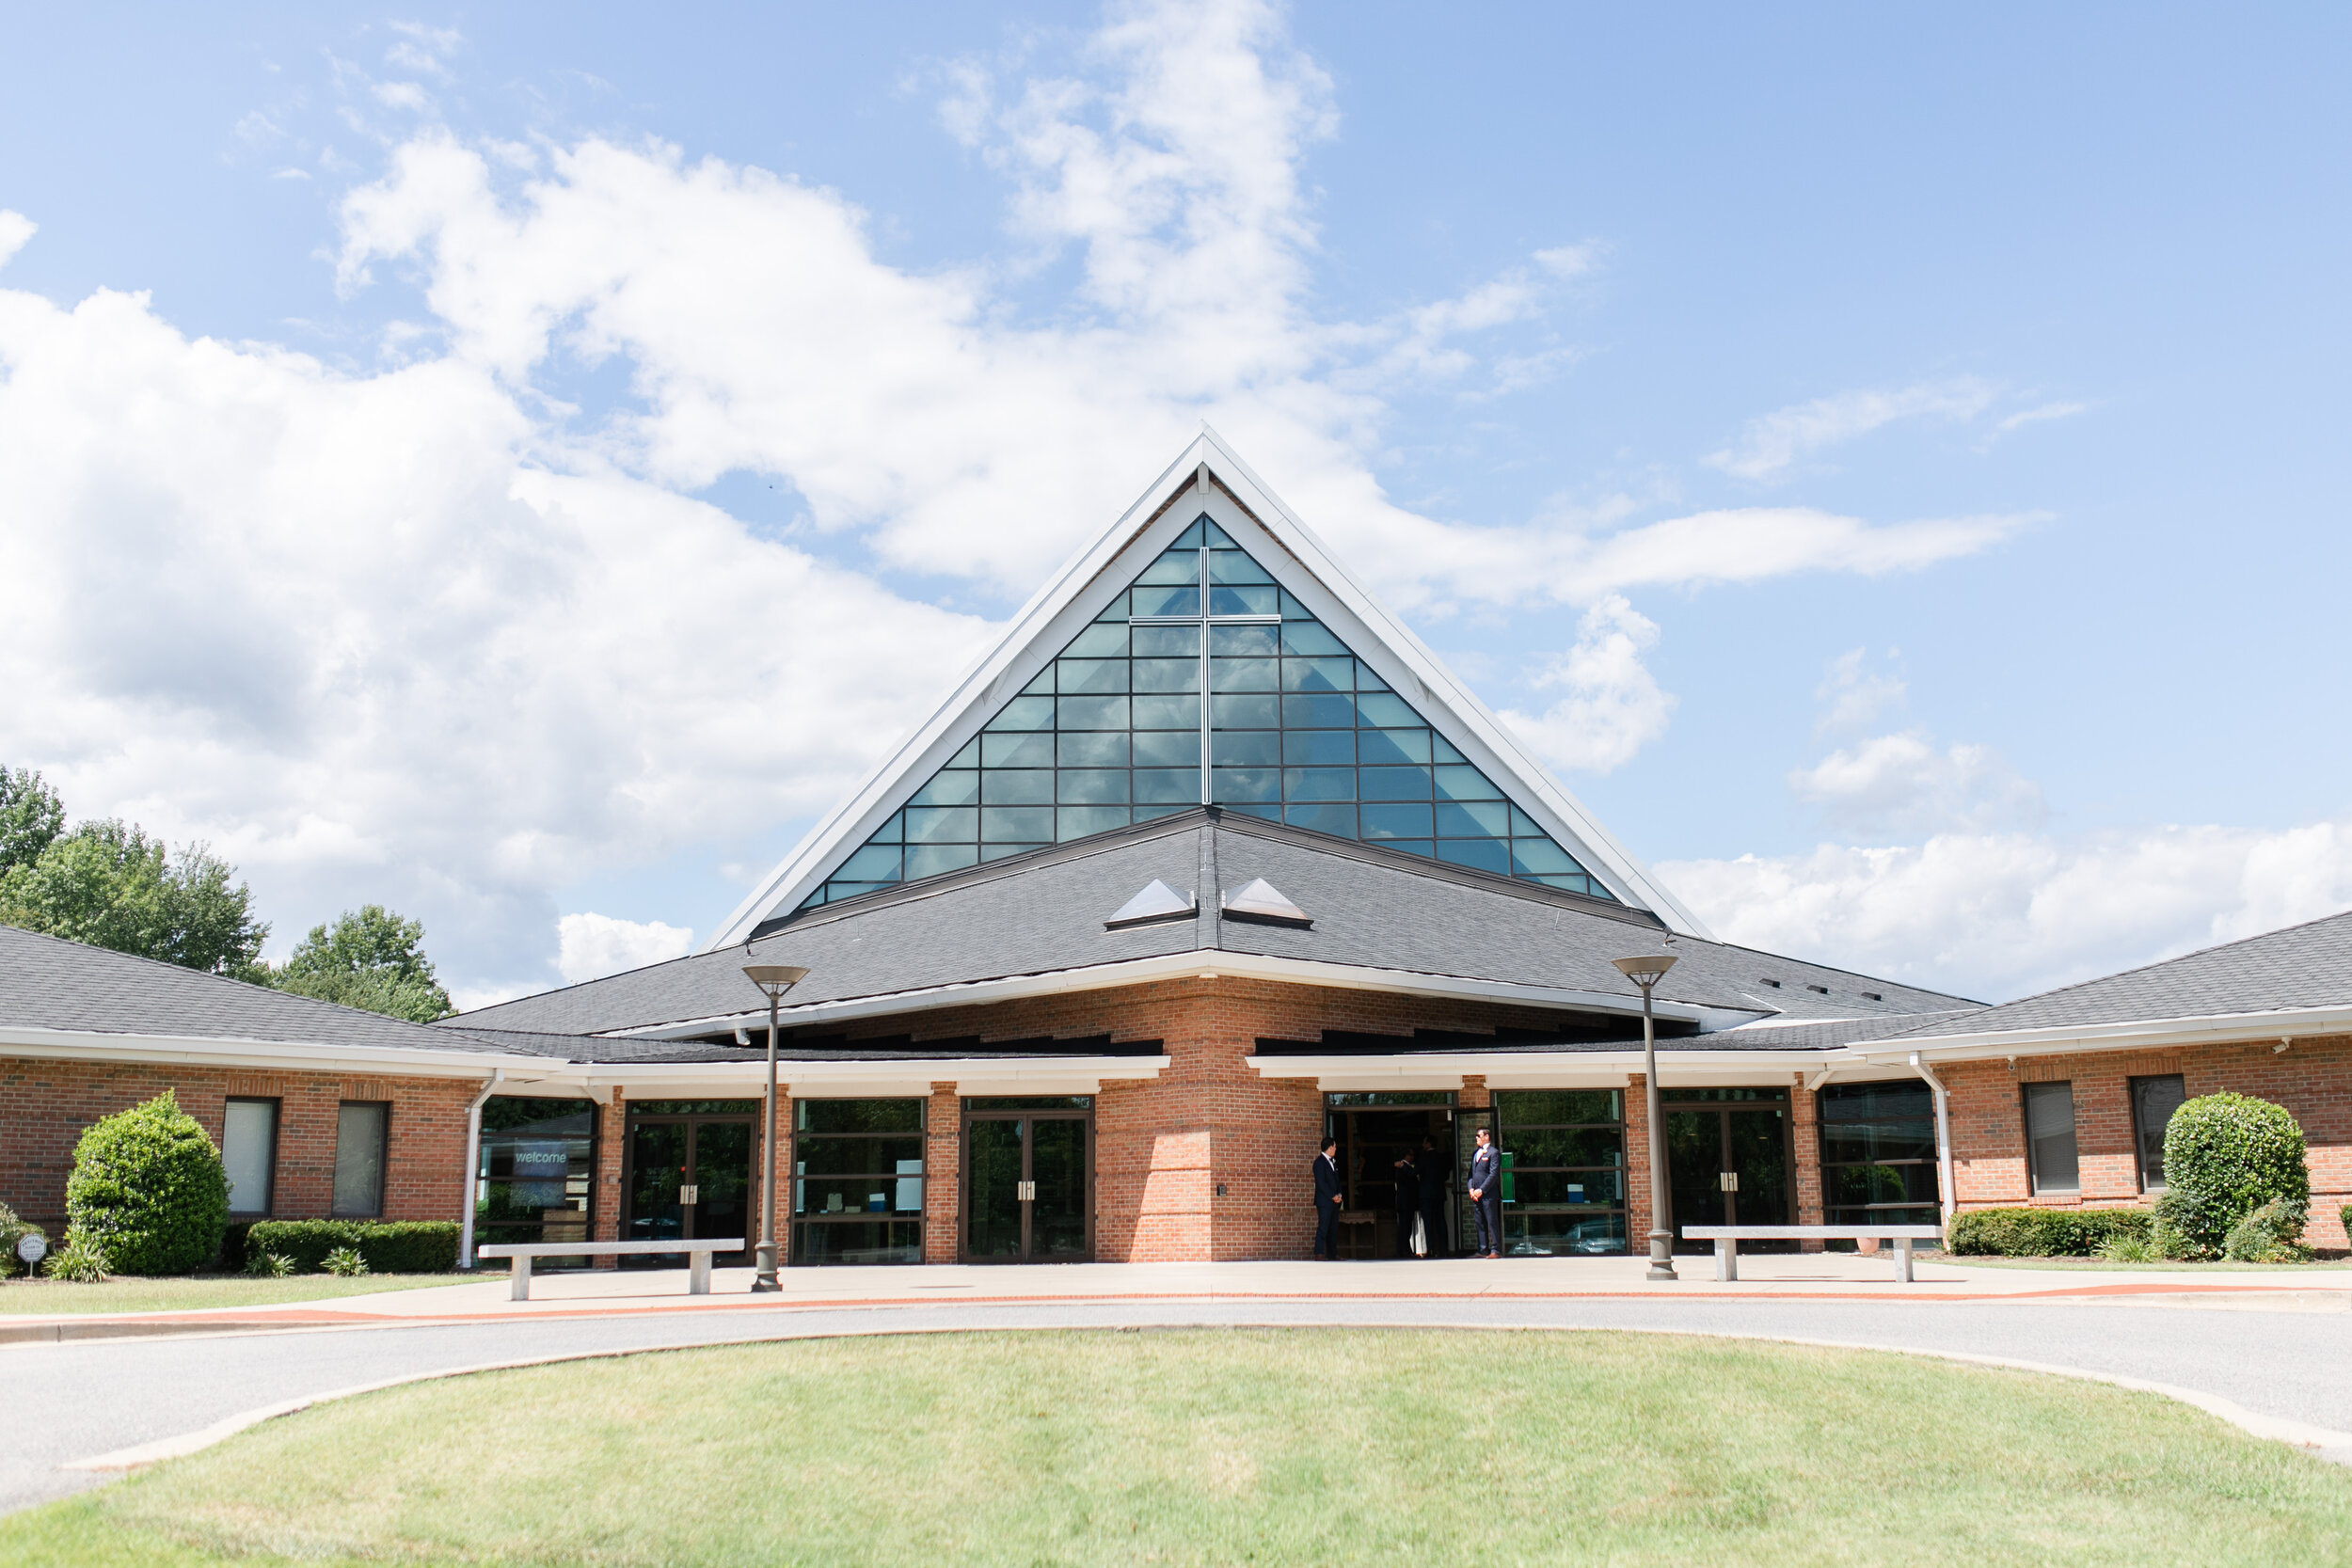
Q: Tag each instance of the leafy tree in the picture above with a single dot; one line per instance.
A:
(371, 959)
(31, 817)
(108, 884)
(148, 1193)
(2225, 1156)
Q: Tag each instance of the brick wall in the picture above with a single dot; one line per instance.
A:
(44, 1105)
(2313, 1079)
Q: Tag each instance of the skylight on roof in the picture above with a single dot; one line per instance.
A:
(1260, 900)
(1155, 903)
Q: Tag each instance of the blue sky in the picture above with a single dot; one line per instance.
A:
(555, 523)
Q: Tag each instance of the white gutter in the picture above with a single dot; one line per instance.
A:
(1204, 963)
(473, 1165)
(1534, 1069)
(2144, 1034)
(456, 1061)
(1943, 1135)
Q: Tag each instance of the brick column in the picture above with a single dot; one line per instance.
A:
(1474, 1095)
(942, 1174)
(782, 1196)
(1804, 1125)
(612, 1136)
(1637, 1166)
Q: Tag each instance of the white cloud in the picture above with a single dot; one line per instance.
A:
(1853, 695)
(1998, 915)
(589, 946)
(1773, 444)
(15, 229)
(1611, 707)
(2036, 415)
(422, 634)
(1903, 784)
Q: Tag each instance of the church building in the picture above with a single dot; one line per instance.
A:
(1208, 859)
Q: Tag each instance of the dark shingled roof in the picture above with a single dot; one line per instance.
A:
(1371, 907)
(49, 983)
(632, 1050)
(2302, 966)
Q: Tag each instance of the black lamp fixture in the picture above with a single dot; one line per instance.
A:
(775, 979)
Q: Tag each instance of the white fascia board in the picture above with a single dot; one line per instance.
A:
(855, 1080)
(1201, 962)
(1536, 1070)
(278, 1056)
(1391, 648)
(2149, 1034)
(1055, 615)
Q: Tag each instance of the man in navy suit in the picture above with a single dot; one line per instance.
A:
(1327, 1198)
(1485, 1191)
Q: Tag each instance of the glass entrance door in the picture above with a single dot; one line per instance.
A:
(688, 1179)
(1028, 1181)
(1728, 1162)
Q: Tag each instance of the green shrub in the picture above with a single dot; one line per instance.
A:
(232, 1255)
(346, 1262)
(2271, 1234)
(77, 1260)
(2344, 1214)
(2226, 1155)
(2042, 1233)
(269, 1265)
(401, 1247)
(2125, 1248)
(11, 1228)
(148, 1191)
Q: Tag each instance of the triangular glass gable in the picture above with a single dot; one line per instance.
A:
(1295, 727)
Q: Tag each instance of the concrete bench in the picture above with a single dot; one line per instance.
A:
(697, 1257)
(1728, 1237)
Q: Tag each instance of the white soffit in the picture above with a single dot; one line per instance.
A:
(1207, 478)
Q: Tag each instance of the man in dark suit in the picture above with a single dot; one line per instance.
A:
(1432, 1195)
(1327, 1199)
(1407, 1199)
(1485, 1191)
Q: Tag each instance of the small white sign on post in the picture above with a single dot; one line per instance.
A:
(30, 1250)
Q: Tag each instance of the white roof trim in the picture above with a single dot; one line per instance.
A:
(2209, 1029)
(1300, 563)
(1205, 963)
(1536, 1070)
(285, 1055)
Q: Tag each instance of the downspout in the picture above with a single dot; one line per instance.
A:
(1943, 1135)
(473, 1165)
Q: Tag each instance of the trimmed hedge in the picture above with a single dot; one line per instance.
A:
(147, 1192)
(400, 1247)
(2226, 1155)
(2042, 1233)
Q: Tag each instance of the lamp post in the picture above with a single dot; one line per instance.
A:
(1647, 972)
(775, 979)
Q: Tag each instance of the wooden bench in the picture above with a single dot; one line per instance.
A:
(1728, 1237)
(697, 1257)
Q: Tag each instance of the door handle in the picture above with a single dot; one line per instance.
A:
(690, 1194)
(1025, 1192)
(1731, 1181)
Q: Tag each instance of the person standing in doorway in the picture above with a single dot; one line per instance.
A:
(1408, 1200)
(1433, 1197)
(1327, 1198)
(1485, 1191)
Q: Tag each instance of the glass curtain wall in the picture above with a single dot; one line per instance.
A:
(1563, 1162)
(1205, 683)
(535, 1177)
(857, 1182)
(1878, 1154)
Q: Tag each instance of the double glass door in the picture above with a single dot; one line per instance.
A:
(1028, 1181)
(690, 1179)
(1728, 1162)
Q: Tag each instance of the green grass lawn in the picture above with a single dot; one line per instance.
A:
(198, 1291)
(1226, 1447)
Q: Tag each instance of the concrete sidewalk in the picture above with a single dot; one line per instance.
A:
(1803, 1276)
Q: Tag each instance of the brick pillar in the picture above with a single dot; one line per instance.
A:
(1805, 1123)
(1474, 1095)
(612, 1137)
(1637, 1164)
(942, 1174)
(782, 1196)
